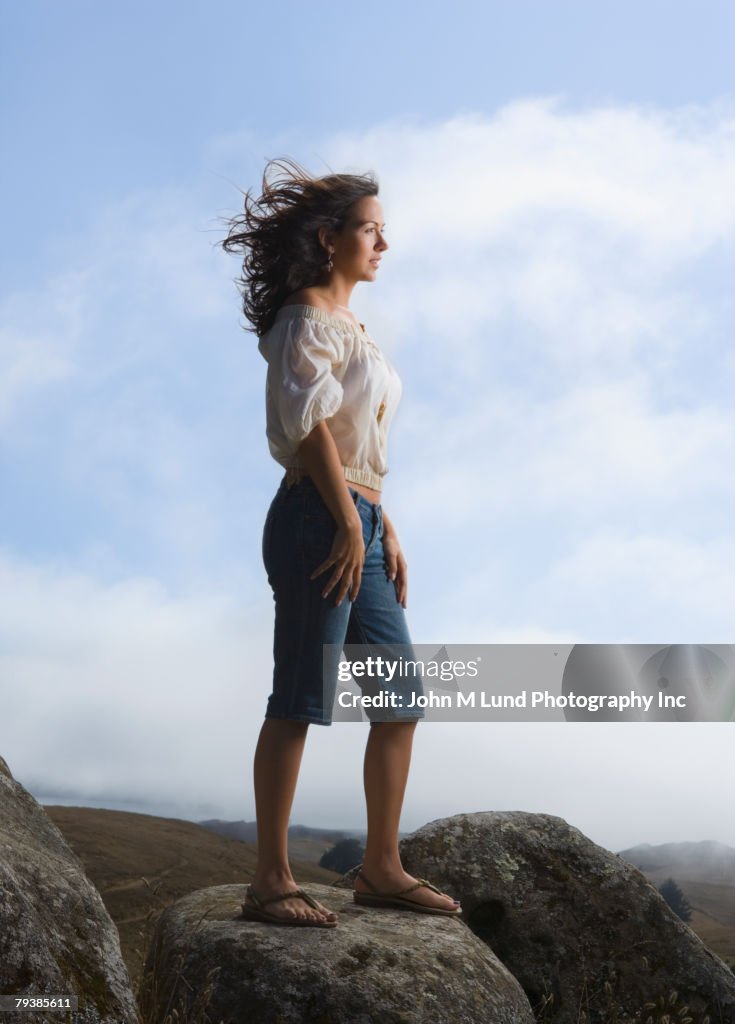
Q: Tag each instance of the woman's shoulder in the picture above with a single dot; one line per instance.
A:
(302, 326)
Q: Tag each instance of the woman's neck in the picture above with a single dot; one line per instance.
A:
(338, 292)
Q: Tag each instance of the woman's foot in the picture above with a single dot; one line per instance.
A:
(294, 907)
(395, 879)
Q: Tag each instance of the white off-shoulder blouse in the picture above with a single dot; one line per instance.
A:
(324, 367)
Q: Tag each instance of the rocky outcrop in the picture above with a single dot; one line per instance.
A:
(582, 930)
(377, 965)
(56, 936)
(553, 926)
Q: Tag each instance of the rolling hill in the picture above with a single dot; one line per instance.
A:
(705, 873)
(140, 864)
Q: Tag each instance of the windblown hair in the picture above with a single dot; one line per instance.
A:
(278, 234)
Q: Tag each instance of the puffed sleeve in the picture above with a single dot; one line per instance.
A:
(301, 383)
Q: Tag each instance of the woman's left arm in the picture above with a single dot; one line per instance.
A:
(396, 563)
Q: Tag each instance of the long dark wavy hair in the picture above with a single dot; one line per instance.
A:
(278, 233)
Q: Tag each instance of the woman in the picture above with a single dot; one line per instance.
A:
(331, 553)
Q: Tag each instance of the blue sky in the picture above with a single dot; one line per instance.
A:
(557, 180)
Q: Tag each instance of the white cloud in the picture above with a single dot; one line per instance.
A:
(38, 337)
(125, 695)
(127, 377)
(637, 588)
(573, 224)
(556, 298)
(125, 690)
(593, 450)
(663, 177)
(609, 585)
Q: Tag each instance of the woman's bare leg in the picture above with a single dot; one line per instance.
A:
(387, 761)
(275, 772)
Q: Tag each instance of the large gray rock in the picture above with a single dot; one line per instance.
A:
(378, 966)
(571, 920)
(56, 936)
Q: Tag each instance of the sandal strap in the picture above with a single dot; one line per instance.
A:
(309, 899)
(401, 892)
(366, 880)
(417, 885)
(283, 896)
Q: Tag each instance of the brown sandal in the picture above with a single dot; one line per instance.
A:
(252, 910)
(397, 899)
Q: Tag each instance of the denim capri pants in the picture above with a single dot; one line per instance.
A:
(297, 537)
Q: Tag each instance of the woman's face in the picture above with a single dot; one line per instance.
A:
(361, 243)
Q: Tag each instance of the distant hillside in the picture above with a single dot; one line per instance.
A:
(705, 872)
(707, 861)
(122, 851)
(304, 843)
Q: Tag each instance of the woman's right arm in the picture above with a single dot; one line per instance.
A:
(321, 459)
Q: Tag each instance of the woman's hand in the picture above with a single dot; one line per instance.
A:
(347, 555)
(395, 562)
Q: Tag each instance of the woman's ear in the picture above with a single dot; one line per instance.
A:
(326, 239)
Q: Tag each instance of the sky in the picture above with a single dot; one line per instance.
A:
(557, 180)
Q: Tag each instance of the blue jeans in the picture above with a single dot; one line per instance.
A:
(297, 537)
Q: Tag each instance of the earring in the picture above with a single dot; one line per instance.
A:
(329, 264)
